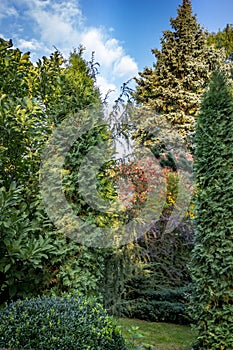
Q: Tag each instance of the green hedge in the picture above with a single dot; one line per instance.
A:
(165, 305)
(58, 323)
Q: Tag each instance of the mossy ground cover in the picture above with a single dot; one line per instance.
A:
(162, 336)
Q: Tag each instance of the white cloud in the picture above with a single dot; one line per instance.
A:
(62, 24)
(54, 30)
(32, 44)
(126, 67)
(107, 51)
(106, 87)
(68, 11)
(3, 36)
(6, 10)
(11, 11)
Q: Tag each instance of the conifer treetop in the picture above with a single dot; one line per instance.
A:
(174, 85)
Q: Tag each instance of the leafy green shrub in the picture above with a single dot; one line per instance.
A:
(35, 257)
(25, 250)
(58, 323)
(165, 305)
(35, 261)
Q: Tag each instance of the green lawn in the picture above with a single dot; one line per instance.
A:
(163, 336)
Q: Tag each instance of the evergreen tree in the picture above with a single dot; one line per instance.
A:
(223, 39)
(212, 259)
(173, 86)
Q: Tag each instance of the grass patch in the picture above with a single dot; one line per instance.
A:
(162, 336)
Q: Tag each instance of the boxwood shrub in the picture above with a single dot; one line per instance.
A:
(58, 323)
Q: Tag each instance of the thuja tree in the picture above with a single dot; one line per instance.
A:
(174, 85)
(212, 259)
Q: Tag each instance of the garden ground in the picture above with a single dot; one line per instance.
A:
(162, 336)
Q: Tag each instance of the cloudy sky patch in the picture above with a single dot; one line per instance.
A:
(120, 32)
(41, 25)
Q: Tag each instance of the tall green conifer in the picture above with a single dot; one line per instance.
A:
(174, 85)
(212, 260)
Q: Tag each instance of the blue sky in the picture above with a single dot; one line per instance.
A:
(121, 32)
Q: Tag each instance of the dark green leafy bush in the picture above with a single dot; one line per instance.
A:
(165, 305)
(60, 323)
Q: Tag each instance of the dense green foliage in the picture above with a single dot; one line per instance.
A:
(174, 85)
(212, 260)
(223, 39)
(159, 290)
(163, 255)
(35, 257)
(156, 305)
(58, 323)
(170, 94)
(149, 277)
(157, 260)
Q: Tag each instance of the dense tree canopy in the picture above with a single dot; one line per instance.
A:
(223, 39)
(174, 85)
(35, 257)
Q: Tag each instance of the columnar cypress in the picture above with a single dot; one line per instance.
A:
(212, 260)
(173, 87)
